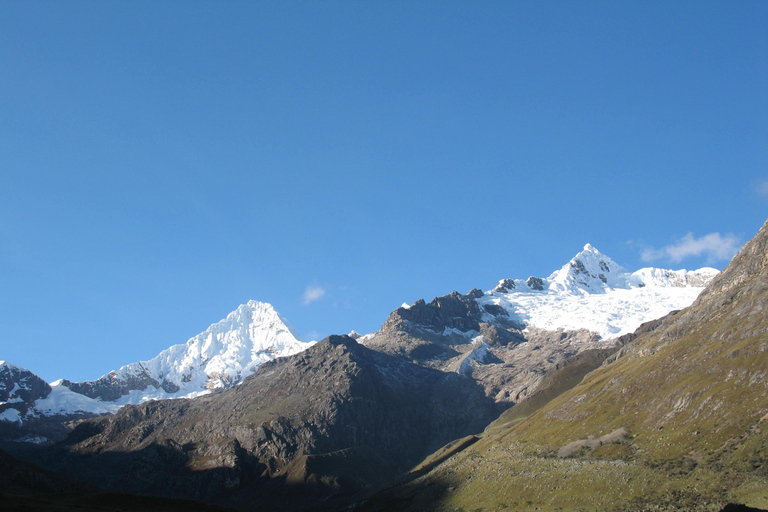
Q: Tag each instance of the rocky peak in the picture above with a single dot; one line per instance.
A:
(20, 385)
(452, 311)
(505, 286)
(337, 416)
(19, 388)
(339, 342)
(535, 283)
(590, 271)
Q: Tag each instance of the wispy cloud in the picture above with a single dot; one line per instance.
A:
(714, 246)
(313, 293)
(761, 187)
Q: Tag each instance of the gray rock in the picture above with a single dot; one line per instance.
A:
(505, 286)
(337, 417)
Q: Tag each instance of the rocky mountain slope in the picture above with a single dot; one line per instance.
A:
(332, 419)
(341, 416)
(509, 338)
(19, 389)
(218, 358)
(587, 302)
(675, 421)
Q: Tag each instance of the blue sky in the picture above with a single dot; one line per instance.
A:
(164, 162)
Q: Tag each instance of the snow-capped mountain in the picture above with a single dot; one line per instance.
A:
(510, 337)
(593, 292)
(218, 358)
(19, 389)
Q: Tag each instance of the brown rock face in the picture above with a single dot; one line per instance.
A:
(337, 417)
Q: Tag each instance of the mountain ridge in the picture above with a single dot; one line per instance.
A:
(673, 422)
(312, 420)
(231, 349)
(345, 416)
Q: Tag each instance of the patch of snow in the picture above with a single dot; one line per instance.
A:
(478, 354)
(63, 400)
(452, 331)
(32, 438)
(365, 337)
(10, 415)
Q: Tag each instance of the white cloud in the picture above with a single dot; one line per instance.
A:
(762, 188)
(312, 293)
(651, 254)
(714, 246)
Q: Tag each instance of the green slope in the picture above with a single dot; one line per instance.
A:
(678, 422)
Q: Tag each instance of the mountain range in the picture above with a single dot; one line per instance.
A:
(299, 425)
(591, 296)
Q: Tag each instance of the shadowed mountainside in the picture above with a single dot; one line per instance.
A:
(331, 420)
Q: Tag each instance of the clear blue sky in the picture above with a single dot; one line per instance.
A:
(164, 162)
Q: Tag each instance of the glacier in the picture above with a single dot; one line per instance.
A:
(593, 292)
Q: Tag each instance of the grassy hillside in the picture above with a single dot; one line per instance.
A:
(678, 422)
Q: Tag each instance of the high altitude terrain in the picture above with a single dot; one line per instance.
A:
(344, 415)
(677, 420)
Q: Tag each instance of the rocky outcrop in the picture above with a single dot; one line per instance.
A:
(111, 387)
(505, 286)
(452, 311)
(450, 332)
(535, 283)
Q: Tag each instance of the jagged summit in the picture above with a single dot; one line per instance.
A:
(594, 292)
(589, 271)
(592, 272)
(19, 389)
(218, 358)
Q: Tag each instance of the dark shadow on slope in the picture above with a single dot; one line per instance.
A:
(103, 502)
(737, 507)
(306, 431)
(28, 487)
(406, 497)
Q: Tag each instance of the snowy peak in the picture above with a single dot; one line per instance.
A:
(19, 388)
(594, 292)
(19, 385)
(233, 348)
(589, 271)
(218, 358)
